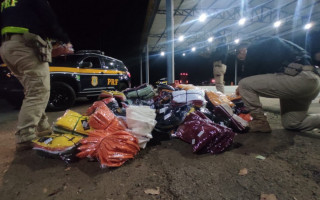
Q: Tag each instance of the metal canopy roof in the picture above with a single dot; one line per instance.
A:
(222, 21)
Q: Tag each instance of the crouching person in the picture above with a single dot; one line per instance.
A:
(277, 68)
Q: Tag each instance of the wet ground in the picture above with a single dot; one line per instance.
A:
(290, 170)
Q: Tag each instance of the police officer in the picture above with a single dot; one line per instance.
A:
(219, 58)
(277, 68)
(26, 26)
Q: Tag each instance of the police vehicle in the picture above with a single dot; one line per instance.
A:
(83, 74)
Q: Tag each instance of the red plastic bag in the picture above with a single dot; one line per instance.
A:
(204, 135)
(112, 149)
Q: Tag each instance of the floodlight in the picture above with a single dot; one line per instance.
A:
(193, 49)
(242, 21)
(184, 54)
(277, 24)
(203, 17)
(308, 26)
(210, 39)
(181, 38)
(237, 41)
(162, 53)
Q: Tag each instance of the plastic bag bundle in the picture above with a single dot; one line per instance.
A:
(204, 135)
(144, 91)
(57, 145)
(103, 118)
(217, 98)
(196, 97)
(141, 121)
(171, 117)
(187, 87)
(112, 149)
(140, 102)
(225, 116)
(113, 94)
(72, 122)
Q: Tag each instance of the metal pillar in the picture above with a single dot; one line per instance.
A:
(170, 41)
(236, 71)
(141, 78)
(147, 63)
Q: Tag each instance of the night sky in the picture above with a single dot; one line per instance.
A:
(113, 26)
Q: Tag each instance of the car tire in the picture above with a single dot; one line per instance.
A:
(62, 96)
(122, 86)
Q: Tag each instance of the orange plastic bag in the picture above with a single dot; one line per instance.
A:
(246, 117)
(112, 149)
(217, 98)
(187, 87)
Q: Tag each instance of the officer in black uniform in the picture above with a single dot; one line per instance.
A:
(277, 68)
(26, 29)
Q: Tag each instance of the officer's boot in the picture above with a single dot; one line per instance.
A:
(44, 127)
(24, 138)
(259, 124)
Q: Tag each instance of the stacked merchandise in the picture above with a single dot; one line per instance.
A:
(115, 128)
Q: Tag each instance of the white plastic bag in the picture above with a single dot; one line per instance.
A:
(141, 121)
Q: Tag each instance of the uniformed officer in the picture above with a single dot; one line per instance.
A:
(26, 26)
(219, 68)
(277, 68)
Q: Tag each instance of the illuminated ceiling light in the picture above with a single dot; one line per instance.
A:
(193, 49)
(111, 63)
(210, 39)
(184, 54)
(277, 24)
(242, 21)
(237, 41)
(162, 53)
(181, 38)
(308, 26)
(203, 17)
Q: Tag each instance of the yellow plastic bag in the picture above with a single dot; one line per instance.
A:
(72, 122)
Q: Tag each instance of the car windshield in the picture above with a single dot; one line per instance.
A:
(66, 61)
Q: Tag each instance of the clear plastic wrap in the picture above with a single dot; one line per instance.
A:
(204, 135)
(195, 97)
(144, 92)
(224, 115)
(187, 87)
(217, 98)
(103, 118)
(72, 122)
(112, 149)
(141, 121)
(61, 146)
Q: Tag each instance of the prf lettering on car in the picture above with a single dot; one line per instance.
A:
(112, 81)
(8, 3)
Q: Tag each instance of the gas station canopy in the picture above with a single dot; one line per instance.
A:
(202, 24)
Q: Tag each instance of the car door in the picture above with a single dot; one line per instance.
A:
(92, 74)
(111, 79)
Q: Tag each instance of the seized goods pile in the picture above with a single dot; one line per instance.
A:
(115, 128)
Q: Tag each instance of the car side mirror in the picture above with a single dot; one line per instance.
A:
(85, 64)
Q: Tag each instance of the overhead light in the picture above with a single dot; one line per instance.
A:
(181, 38)
(237, 41)
(193, 49)
(210, 39)
(162, 53)
(203, 17)
(242, 21)
(184, 54)
(277, 24)
(308, 26)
